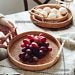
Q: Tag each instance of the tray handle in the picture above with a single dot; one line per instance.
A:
(9, 31)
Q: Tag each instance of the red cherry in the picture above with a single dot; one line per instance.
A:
(43, 48)
(31, 37)
(22, 45)
(27, 46)
(42, 39)
(41, 34)
(28, 51)
(35, 59)
(46, 44)
(34, 45)
(26, 56)
(24, 49)
(21, 56)
(49, 49)
(36, 39)
(30, 47)
(26, 41)
(41, 52)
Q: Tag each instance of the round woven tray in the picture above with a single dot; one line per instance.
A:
(9, 32)
(49, 60)
(51, 6)
(48, 23)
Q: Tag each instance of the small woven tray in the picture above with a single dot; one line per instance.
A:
(14, 49)
(48, 23)
(9, 32)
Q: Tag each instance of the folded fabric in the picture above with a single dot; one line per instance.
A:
(3, 52)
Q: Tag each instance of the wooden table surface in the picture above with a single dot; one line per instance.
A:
(23, 23)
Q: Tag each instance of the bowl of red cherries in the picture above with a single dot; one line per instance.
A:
(34, 48)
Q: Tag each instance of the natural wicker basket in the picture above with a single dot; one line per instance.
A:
(9, 31)
(50, 59)
(51, 23)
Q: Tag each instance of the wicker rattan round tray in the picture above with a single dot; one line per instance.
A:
(14, 49)
(48, 23)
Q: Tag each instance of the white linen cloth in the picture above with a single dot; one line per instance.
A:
(66, 64)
